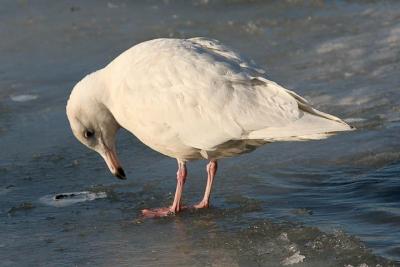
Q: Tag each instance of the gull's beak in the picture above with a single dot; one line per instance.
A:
(110, 156)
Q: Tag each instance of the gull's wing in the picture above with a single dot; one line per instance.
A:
(216, 47)
(206, 94)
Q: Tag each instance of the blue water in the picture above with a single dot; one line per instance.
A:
(335, 201)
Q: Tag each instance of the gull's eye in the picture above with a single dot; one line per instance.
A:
(88, 133)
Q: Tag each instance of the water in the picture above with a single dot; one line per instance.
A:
(325, 203)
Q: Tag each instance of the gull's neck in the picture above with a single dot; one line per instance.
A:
(104, 93)
(98, 89)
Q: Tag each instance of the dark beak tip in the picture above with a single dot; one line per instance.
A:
(120, 174)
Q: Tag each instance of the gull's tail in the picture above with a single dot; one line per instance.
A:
(312, 125)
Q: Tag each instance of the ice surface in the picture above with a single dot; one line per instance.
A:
(343, 56)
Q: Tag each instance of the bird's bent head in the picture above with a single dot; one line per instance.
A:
(92, 122)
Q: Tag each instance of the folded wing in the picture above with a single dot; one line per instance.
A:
(207, 95)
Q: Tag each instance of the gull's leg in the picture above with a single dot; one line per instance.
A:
(211, 171)
(180, 182)
(176, 205)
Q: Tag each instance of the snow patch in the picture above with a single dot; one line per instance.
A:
(295, 258)
(23, 98)
(393, 38)
(330, 46)
(283, 237)
(111, 5)
(351, 120)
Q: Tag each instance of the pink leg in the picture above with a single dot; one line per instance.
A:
(176, 205)
(211, 171)
(181, 178)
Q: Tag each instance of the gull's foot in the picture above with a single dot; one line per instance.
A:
(201, 205)
(159, 212)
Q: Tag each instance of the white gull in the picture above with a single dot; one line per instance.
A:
(189, 99)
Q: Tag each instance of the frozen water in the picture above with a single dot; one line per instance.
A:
(335, 202)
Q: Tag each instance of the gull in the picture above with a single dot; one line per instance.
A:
(189, 99)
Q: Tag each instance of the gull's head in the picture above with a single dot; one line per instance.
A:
(92, 123)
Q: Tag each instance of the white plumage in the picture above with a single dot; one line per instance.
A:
(196, 98)
(187, 98)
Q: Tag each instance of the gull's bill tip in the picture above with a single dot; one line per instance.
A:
(120, 174)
